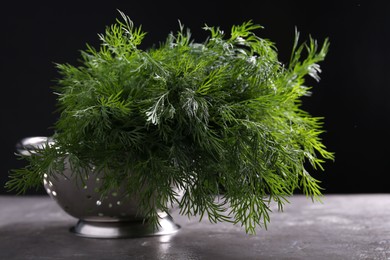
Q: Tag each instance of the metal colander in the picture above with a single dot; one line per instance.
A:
(113, 216)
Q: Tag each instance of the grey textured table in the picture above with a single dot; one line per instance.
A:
(342, 227)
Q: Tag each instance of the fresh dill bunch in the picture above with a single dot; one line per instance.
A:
(221, 117)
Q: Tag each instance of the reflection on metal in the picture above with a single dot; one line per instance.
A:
(123, 229)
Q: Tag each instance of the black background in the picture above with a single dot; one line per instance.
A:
(352, 95)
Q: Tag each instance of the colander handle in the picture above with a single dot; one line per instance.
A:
(26, 146)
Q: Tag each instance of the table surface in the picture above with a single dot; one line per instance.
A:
(355, 226)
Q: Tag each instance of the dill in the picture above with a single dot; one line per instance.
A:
(222, 117)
